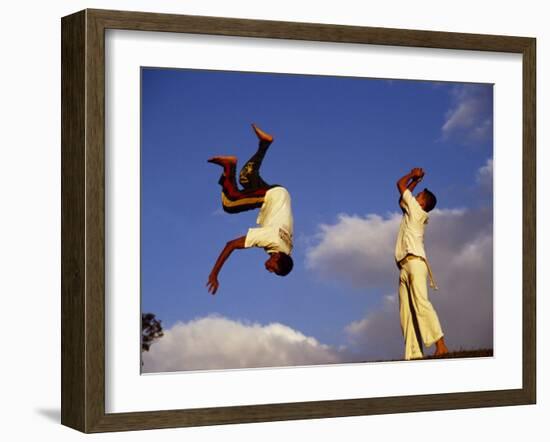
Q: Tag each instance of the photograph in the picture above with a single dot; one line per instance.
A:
(292, 220)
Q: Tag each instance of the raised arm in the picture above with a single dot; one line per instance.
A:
(213, 284)
(413, 183)
(410, 180)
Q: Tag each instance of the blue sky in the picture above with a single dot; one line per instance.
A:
(340, 146)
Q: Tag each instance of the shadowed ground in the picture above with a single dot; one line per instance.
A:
(480, 353)
(487, 352)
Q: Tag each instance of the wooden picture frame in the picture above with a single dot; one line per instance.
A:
(83, 220)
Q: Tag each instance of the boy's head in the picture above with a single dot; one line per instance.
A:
(427, 200)
(279, 263)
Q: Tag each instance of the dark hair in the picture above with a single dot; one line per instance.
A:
(284, 264)
(430, 199)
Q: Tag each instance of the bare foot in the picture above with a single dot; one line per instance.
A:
(261, 134)
(223, 160)
(440, 348)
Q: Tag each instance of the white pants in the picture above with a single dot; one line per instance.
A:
(419, 322)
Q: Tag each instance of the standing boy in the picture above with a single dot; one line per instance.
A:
(419, 321)
(275, 217)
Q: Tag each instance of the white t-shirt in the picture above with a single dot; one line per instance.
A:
(410, 239)
(276, 223)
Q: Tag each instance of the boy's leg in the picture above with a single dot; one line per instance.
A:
(249, 176)
(409, 327)
(428, 321)
(233, 199)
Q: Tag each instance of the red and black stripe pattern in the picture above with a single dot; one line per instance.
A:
(235, 200)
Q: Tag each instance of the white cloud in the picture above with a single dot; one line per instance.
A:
(377, 336)
(471, 114)
(351, 249)
(215, 342)
(360, 250)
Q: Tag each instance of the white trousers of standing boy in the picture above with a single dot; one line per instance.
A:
(419, 321)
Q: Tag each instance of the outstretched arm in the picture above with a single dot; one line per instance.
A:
(234, 244)
(410, 180)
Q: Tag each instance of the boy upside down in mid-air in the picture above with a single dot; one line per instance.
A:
(274, 233)
(419, 321)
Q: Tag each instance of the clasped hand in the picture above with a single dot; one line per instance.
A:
(417, 173)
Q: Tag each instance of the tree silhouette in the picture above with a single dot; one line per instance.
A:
(151, 330)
